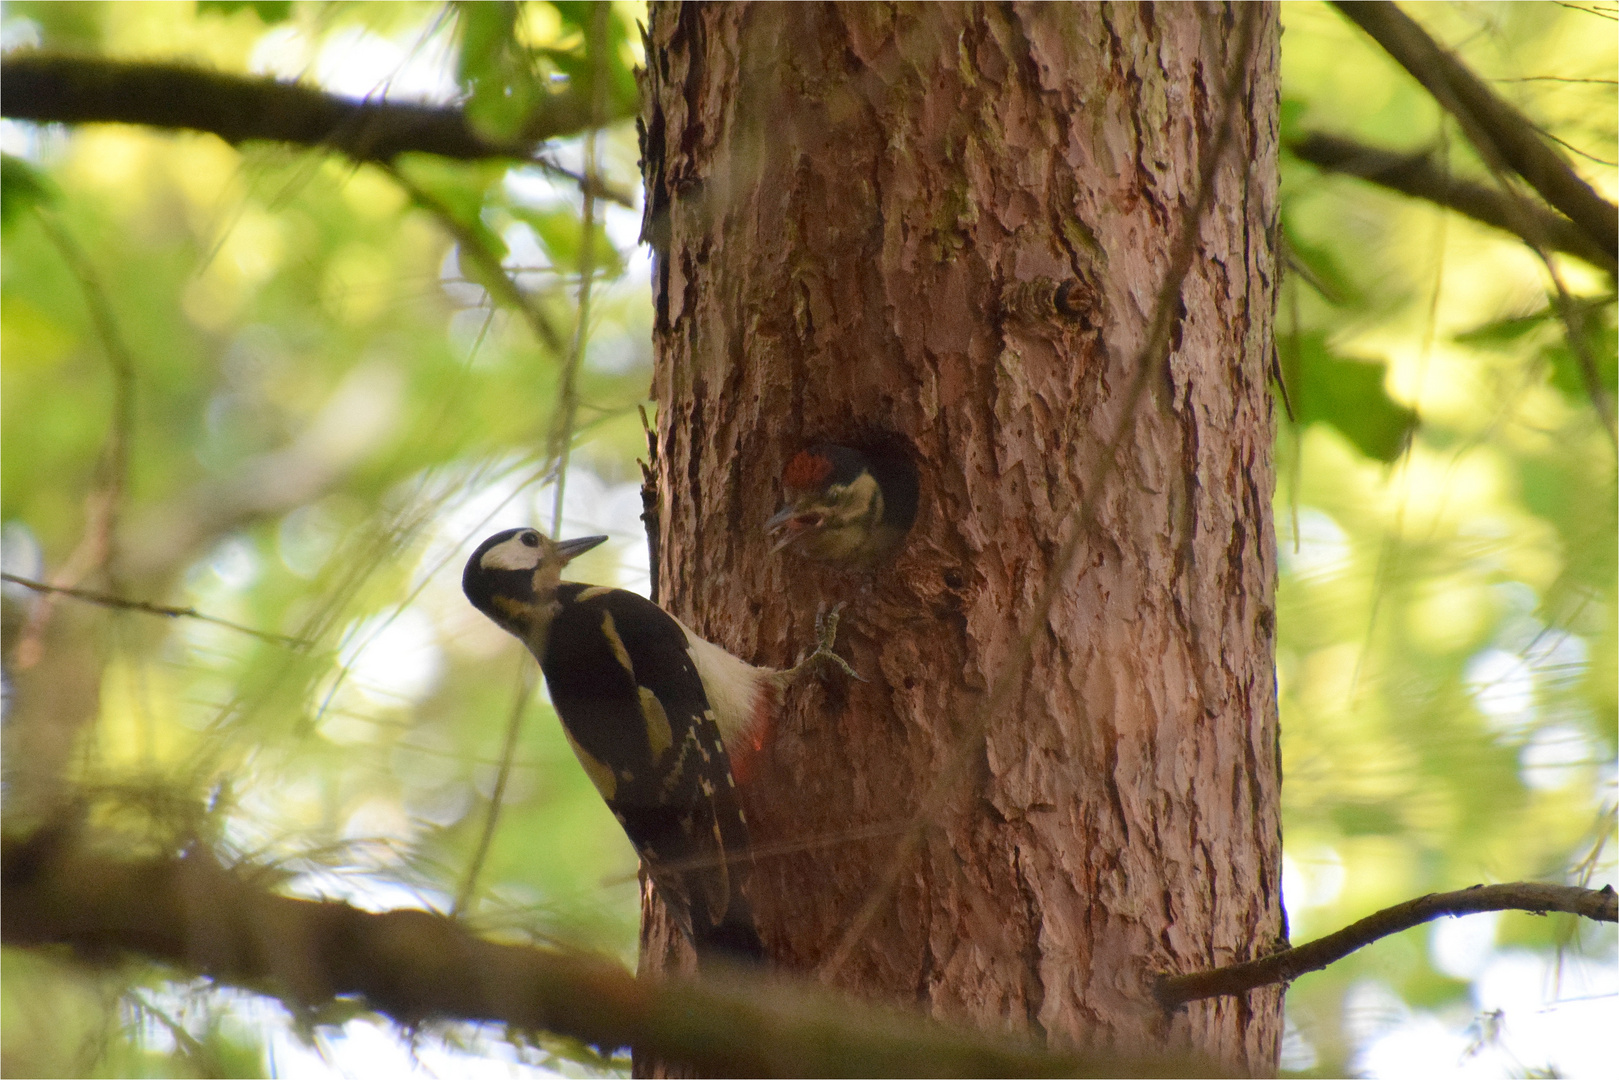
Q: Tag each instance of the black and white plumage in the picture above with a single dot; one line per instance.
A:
(650, 709)
(845, 507)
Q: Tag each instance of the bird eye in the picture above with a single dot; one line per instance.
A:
(530, 538)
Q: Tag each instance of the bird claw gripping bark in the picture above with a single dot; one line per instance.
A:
(826, 635)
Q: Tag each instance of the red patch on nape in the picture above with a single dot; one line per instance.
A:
(807, 471)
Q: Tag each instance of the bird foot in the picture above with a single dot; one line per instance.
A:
(826, 635)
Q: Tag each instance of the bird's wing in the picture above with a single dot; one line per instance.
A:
(630, 699)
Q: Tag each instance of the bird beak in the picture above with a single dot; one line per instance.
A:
(572, 549)
(791, 522)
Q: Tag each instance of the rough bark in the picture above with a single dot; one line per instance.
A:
(855, 211)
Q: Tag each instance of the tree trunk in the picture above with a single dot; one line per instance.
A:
(943, 228)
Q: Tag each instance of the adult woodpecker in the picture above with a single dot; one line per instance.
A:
(651, 710)
(845, 507)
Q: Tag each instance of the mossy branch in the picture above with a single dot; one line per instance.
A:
(64, 888)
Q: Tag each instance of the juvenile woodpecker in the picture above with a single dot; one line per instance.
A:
(844, 507)
(656, 715)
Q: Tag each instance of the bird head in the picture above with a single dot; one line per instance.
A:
(513, 576)
(835, 509)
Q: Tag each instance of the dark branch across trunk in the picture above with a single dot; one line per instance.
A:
(415, 966)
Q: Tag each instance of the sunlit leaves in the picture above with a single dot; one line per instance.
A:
(513, 55)
(1446, 647)
(329, 410)
(269, 12)
(1349, 395)
(497, 69)
(22, 187)
(1593, 320)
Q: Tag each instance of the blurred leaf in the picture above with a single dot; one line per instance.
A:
(269, 12)
(497, 69)
(560, 233)
(1501, 333)
(1601, 345)
(621, 96)
(1319, 267)
(1596, 319)
(62, 26)
(1367, 819)
(1349, 395)
(22, 187)
(1293, 110)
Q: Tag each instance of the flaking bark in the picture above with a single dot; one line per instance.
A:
(850, 209)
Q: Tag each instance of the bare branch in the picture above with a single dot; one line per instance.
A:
(49, 88)
(1285, 966)
(108, 600)
(1420, 176)
(193, 914)
(497, 797)
(1495, 127)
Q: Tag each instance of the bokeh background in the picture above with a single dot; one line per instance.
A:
(286, 374)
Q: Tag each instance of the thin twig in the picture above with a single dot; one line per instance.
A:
(1419, 176)
(1571, 148)
(496, 278)
(594, 185)
(1559, 79)
(98, 547)
(1149, 361)
(567, 410)
(1598, 12)
(108, 600)
(1285, 966)
(497, 797)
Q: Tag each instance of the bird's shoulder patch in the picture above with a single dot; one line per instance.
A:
(659, 735)
(620, 653)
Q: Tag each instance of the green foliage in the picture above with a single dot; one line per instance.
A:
(1349, 395)
(512, 55)
(327, 415)
(22, 187)
(69, 27)
(497, 70)
(269, 12)
(1446, 522)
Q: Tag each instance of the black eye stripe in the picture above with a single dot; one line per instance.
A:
(530, 539)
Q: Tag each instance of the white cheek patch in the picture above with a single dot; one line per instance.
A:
(511, 554)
